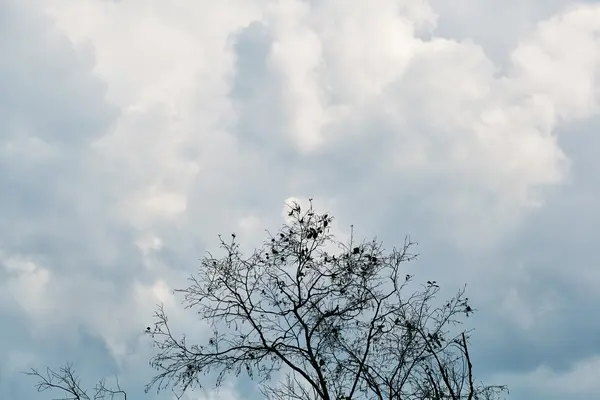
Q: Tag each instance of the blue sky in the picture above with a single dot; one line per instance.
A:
(132, 132)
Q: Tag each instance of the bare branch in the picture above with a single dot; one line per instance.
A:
(68, 383)
(338, 322)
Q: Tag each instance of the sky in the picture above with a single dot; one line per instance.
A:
(133, 132)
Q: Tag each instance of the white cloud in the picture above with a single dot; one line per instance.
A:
(561, 60)
(342, 68)
(483, 142)
(27, 284)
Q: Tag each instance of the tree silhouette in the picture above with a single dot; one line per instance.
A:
(332, 317)
(66, 381)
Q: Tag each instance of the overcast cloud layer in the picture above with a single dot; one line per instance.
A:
(132, 132)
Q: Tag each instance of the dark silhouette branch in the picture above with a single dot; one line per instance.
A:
(470, 368)
(65, 381)
(338, 322)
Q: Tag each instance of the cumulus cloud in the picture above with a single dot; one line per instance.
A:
(431, 115)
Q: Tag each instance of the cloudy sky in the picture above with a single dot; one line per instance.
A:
(132, 132)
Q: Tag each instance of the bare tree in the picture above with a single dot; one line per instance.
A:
(66, 381)
(333, 317)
